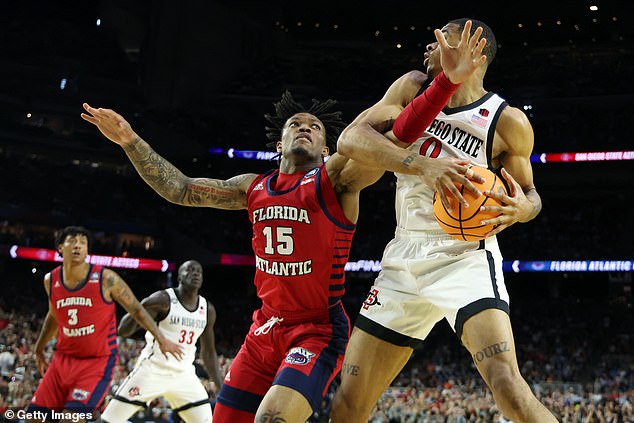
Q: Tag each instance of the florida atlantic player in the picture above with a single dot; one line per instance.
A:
(183, 316)
(303, 218)
(82, 313)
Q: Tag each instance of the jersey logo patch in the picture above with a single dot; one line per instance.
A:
(372, 299)
(478, 120)
(307, 181)
(311, 173)
(299, 355)
(484, 112)
(79, 394)
(135, 391)
(259, 186)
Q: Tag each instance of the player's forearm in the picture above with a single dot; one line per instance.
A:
(49, 327)
(365, 145)
(158, 173)
(536, 202)
(210, 360)
(143, 318)
(127, 326)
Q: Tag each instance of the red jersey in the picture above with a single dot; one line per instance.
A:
(301, 241)
(86, 322)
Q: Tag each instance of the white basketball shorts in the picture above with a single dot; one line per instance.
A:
(428, 276)
(183, 391)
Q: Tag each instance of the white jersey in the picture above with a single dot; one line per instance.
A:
(464, 132)
(181, 326)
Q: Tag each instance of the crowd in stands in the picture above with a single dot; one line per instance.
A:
(576, 354)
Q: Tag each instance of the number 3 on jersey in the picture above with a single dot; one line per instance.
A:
(72, 316)
(282, 239)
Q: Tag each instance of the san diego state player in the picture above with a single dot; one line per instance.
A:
(303, 218)
(82, 315)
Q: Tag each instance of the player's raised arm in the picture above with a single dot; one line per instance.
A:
(364, 139)
(169, 182)
(118, 290)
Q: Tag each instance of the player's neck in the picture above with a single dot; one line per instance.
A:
(469, 92)
(74, 272)
(186, 295)
(290, 167)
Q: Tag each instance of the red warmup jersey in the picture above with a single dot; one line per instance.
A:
(86, 322)
(301, 241)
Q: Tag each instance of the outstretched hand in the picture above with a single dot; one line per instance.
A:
(111, 124)
(461, 61)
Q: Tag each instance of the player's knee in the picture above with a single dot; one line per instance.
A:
(345, 406)
(506, 382)
(270, 417)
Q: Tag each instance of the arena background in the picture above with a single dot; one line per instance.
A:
(194, 80)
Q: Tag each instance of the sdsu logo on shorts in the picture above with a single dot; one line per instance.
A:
(373, 299)
(134, 392)
(299, 355)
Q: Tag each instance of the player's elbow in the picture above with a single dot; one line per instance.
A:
(346, 144)
(126, 327)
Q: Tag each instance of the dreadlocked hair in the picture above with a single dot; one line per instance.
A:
(287, 107)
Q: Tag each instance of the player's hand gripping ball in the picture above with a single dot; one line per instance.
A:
(462, 222)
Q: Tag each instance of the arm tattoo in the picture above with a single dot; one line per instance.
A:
(174, 186)
(124, 296)
(271, 416)
(109, 281)
(157, 172)
(220, 194)
(491, 350)
(409, 159)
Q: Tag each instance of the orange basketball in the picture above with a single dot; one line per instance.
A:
(463, 223)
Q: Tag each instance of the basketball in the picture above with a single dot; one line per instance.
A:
(462, 222)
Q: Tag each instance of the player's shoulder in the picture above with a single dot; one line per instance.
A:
(211, 313)
(106, 272)
(161, 294)
(513, 116)
(515, 129)
(210, 305)
(405, 88)
(415, 76)
(47, 282)
(160, 299)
